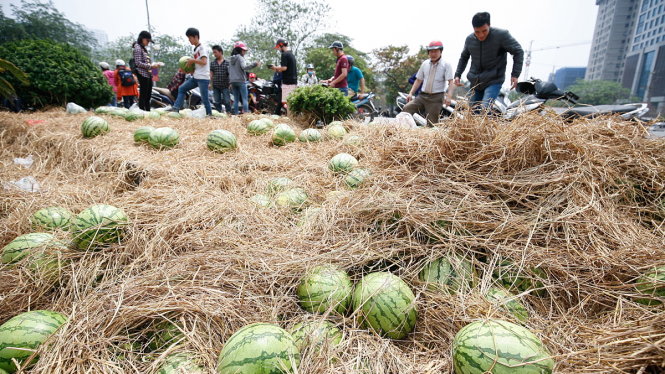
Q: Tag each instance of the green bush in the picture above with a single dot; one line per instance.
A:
(58, 74)
(322, 103)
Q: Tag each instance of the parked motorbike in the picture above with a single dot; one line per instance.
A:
(161, 98)
(365, 108)
(446, 110)
(266, 94)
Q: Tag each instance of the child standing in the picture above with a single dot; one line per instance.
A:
(110, 77)
(126, 82)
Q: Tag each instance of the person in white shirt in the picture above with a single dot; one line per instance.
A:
(435, 76)
(201, 76)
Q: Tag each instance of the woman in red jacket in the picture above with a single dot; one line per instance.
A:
(127, 84)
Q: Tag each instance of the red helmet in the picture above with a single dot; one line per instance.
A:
(240, 45)
(252, 75)
(435, 45)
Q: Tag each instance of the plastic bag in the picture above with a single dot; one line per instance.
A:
(28, 184)
(406, 120)
(199, 113)
(73, 108)
(25, 162)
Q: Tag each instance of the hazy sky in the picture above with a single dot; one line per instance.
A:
(371, 24)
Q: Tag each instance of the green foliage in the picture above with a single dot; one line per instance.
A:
(324, 61)
(397, 66)
(322, 103)
(59, 73)
(600, 92)
(6, 88)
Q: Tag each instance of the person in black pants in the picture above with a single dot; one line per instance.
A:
(143, 68)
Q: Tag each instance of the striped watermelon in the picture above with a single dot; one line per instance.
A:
(260, 348)
(386, 304)
(451, 273)
(279, 184)
(182, 63)
(142, 134)
(356, 177)
(268, 122)
(94, 126)
(164, 137)
(174, 115)
(181, 363)
(98, 226)
(342, 163)
(283, 134)
(133, 116)
(499, 347)
(652, 284)
(316, 334)
(335, 130)
(152, 115)
(23, 334)
(509, 302)
(354, 140)
(262, 201)
(24, 245)
(443, 229)
(51, 218)
(258, 127)
(164, 334)
(221, 141)
(294, 198)
(513, 277)
(325, 288)
(310, 135)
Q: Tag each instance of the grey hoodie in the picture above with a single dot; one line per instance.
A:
(237, 67)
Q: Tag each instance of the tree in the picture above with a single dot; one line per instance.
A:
(6, 88)
(396, 66)
(599, 92)
(324, 61)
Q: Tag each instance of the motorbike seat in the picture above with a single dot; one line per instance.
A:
(587, 111)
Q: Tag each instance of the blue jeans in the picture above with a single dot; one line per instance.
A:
(222, 96)
(486, 96)
(192, 83)
(345, 90)
(240, 92)
(114, 101)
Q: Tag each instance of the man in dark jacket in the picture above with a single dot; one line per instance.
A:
(488, 48)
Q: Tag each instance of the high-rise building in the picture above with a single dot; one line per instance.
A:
(566, 77)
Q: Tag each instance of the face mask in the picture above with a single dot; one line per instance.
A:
(310, 72)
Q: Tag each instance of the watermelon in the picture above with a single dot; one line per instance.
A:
(353, 140)
(451, 273)
(652, 284)
(325, 288)
(51, 218)
(164, 137)
(310, 215)
(513, 277)
(142, 134)
(506, 300)
(221, 141)
(268, 122)
(335, 130)
(260, 348)
(316, 335)
(186, 112)
(27, 244)
(94, 126)
(342, 163)
(23, 334)
(262, 201)
(216, 113)
(310, 135)
(356, 177)
(294, 198)
(164, 335)
(283, 134)
(105, 109)
(181, 363)
(279, 184)
(258, 127)
(386, 304)
(174, 115)
(133, 116)
(182, 64)
(152, 115)
(98, 226)
(441, 229)
(499, 347)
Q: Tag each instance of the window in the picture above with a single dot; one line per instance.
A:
(647, 63)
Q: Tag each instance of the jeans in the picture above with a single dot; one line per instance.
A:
(486, 96)
(345, 90)
(192, 83)
(240, 92)
(114, 101)
(127, 101)
(222, 96)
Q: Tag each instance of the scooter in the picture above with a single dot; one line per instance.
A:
(266, 95)
(365, 108)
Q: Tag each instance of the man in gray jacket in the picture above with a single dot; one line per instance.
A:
(488, 48)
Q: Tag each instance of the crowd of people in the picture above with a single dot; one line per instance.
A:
(432, 86)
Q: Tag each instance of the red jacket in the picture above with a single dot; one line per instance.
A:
(126, 90)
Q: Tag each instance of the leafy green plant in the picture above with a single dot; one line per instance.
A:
(6, 88)
(58, 73)
(322, 103)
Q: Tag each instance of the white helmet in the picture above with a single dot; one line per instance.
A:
(104, 65)
(119, 62)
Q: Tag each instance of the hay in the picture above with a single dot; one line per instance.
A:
(582, 201)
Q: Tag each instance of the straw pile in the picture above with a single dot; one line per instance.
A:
(581, 201)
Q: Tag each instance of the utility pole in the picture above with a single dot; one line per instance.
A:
(147, 11)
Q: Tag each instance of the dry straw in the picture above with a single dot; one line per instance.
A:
(582, 201)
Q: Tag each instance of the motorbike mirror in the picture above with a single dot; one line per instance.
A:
(527, 88)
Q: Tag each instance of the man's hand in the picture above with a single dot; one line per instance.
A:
(513, 82)
(457, 82)
(190, 62)
(409, 97)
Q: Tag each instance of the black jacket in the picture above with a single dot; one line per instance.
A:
(489, 58)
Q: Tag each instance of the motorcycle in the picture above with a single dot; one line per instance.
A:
(266, 95)
(446, 110)
(365, 109)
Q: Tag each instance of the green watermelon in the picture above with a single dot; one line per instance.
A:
(216, 113)
(142, 134)
(94, 126)
(279, 184)
(163, 335)
(23, 334)
(335, 130)
(133, 116)
(310, 135)
(275, 116)
(174, 115)
(499, 347)
(182, 63)
(452, 273)
(342, 163)
(356, 177)
(153, 114)
(310, 215)
(652, 284)
(27, 244)
(316, 334)
(386, 304)
(283, 134)
(51, 218)
(294, 198)
(268, 122)
(164, 137)
(262, 201)
(509, 302)
(353, 140)
(98, 226)
(221, 141)
(105, 109)
(258, 127)
(181, 363)
(443, 229)
(259, 348)
(513, 277)
(324, 288)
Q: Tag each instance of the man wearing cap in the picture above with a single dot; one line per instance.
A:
(435, 76)
(339, 79)
(287, 68)
(488, 48)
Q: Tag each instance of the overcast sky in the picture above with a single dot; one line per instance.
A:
(371, 24)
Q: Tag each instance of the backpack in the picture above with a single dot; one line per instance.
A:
(126, 78)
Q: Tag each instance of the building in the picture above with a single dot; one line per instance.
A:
(566, 77)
